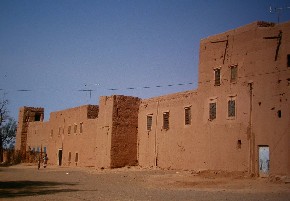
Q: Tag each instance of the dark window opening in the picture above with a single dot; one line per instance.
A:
(166, 120)
(149, 122)
(77, 157)
(187, 113)
(234, 73)
(239, 144)
(44, 149)
(81, 127)
(75, 128)
(37, 117)
(279, 113)
(288, 60)
(231, 108)
(69, 156)
(217, 77)
(68, 129)
(212, 111)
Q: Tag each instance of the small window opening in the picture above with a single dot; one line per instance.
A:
(234, 73)
(81, 127)
(149, 122)
(231, 108)
(69, 157)
(37, 117)
(217, 77)
(166, 120)
(44, 149)
(51, 133)
(68, 129)
(212, 111)
(77, 158)
(239, 144)
(279, 113)
(75, 128)
(288, 60)
(187, 115)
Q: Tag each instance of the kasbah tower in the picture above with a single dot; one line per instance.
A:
(238, 119)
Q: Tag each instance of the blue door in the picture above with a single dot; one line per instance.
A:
(264, 161)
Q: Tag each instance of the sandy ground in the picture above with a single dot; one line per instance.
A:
(24, 182)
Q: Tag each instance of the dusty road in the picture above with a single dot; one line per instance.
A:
(24, 182)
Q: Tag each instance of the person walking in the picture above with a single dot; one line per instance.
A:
(45, 158)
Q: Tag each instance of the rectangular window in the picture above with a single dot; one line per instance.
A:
(68, 129)
(187, 116)
(212, 111)
(75, 128)
(69, 156)
(51, 133)
(288, 60)
(231, 108)
(37, 117)
(217, 77)
(234, 73)
(77, 157)
(38, 150)
(44, 149)
(166, 120)
(81, 127)
(149, 122)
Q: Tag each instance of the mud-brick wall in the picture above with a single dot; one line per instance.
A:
(124, 131)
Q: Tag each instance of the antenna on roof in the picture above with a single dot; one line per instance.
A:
(278, 11)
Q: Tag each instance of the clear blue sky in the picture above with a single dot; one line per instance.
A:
(56, 47)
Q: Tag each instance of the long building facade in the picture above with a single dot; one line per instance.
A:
(238, 119)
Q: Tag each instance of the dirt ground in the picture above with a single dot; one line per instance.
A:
(25, 182)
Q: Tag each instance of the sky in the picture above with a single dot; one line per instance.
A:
(52, 51)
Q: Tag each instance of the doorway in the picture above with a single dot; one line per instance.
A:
(59, 157)
(264, 161)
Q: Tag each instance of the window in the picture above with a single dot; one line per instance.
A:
(212, 111)
(234, 73)
(217, 77)
(69, 157)
(81, 127)
(279, 113)
(77, 157)
(288, 60)
(38, 150)
(149, 122)
(44, 149)
(68, 129)
(187, 115)
(51, 133)
(166, 120)
(75, 128)
(37, 117)
(239, 144)
(232, 108)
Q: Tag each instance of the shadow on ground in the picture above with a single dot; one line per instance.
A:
(11, 189)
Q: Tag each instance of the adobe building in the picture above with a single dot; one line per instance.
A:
(236, 120)
(103, 136)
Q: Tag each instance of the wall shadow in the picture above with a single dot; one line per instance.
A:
(12, 189)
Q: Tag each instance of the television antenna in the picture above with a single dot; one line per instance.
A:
(278, 11)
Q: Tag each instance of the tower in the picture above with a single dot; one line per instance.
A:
(26, 115)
